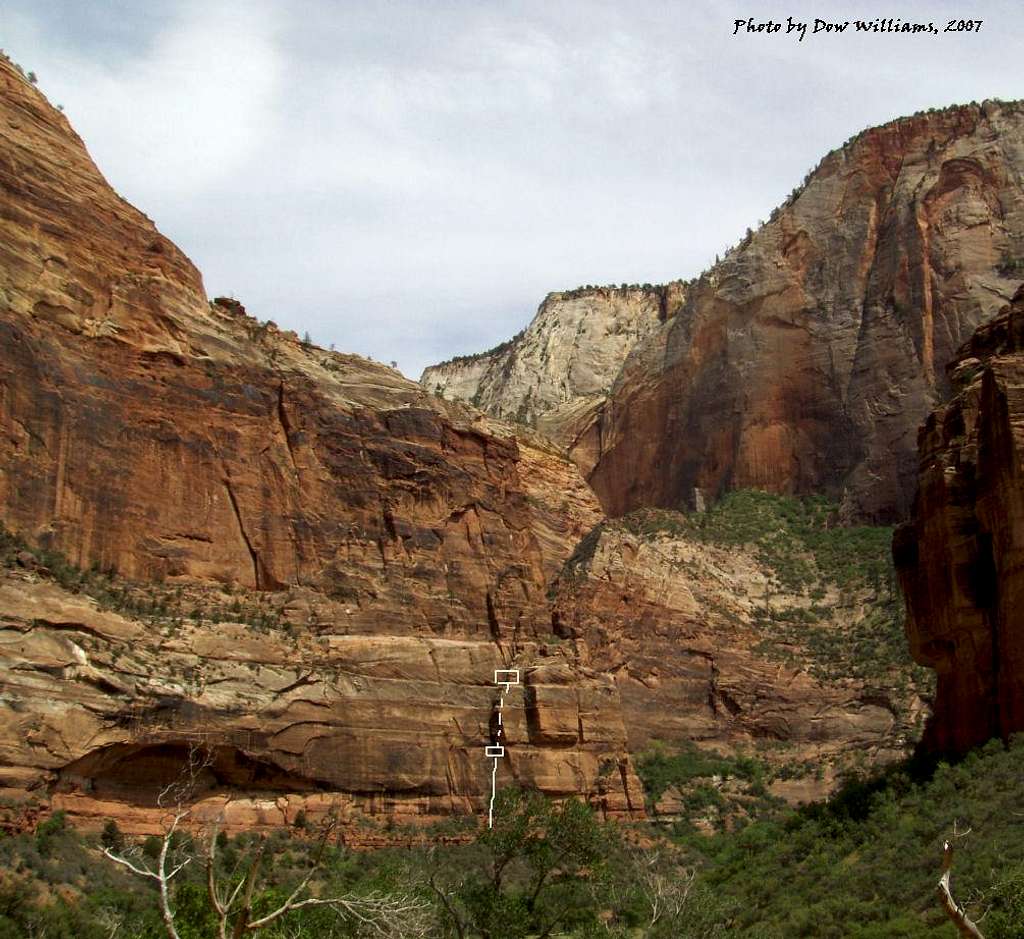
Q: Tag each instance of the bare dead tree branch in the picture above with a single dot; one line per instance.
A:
(232, 899)
(110, 920)
(177, 793)
(965, 926)
(665, 891)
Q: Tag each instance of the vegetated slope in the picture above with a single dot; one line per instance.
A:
(863, 866)
(866, 864)
(960, 556)
(150, 433)
(556, 374)
(759, 627)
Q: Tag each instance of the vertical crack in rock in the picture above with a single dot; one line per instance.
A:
(987, 585)
(257, 580)
(492, 618)
(286, 428)
(624, 776)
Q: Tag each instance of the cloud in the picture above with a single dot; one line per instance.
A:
(183, 115)
(408, 179)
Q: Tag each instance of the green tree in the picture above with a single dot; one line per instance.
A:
(111, 836)
(538, 869)
(1005, 916)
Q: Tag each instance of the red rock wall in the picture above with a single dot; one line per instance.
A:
(148, 432)
(961, 557)
(806, 359)
(145, 431)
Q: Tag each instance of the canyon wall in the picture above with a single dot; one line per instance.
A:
(961, 556)
(556, 375)
(149, 433)
(804, 361)
(310, 567)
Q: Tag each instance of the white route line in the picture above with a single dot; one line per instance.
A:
(510, 678)
(490, 811)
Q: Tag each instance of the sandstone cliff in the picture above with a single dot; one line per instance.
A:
(804, 361)
(150, 433)
(104, 698)
(556, 375)
(960, 557)
(312, 566)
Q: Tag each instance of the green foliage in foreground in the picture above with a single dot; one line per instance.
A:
(545, 869)
(865, 866)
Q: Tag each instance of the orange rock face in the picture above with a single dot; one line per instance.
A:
(146, 431)
(399, 547)
(960, 557)
(101, 712)
(806, 359)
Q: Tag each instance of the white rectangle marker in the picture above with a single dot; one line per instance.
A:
(507, 677)
(494, 751)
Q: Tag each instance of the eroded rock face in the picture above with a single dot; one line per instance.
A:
(557, 374)
(960, 557)
(162, 436)
(146, 431)
(805, 360)
(103, 710)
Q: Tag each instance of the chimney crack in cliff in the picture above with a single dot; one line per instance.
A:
(282, 419)
(432, 652)
(241, 529)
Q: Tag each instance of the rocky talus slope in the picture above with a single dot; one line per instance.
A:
(556, 375)
(804, 361)
(961, 556)
(148, 432)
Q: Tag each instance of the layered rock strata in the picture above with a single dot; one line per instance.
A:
(961, 556)
(693, 634)
(151, 433)
(101, 711)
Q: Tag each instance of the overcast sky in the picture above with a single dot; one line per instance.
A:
(408, 180)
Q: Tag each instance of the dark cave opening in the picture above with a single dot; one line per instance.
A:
(139, 772)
